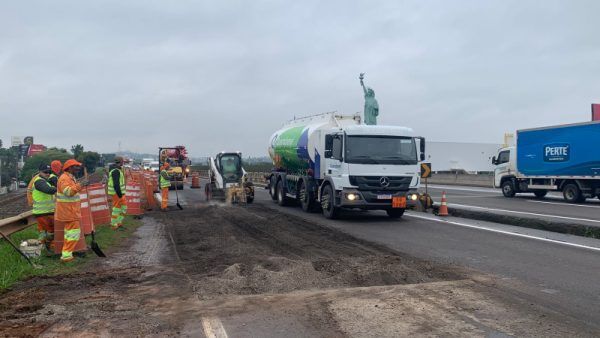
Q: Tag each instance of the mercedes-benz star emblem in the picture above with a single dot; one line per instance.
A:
(384, 181)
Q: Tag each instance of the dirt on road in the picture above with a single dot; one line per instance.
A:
(253, 271)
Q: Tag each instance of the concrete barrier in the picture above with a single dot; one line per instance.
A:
(475, 180)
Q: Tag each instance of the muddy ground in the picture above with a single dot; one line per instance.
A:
(253, 271)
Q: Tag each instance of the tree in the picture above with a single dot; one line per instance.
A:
(32, 164)
(9, 158)
(90, 160)
(77, 150)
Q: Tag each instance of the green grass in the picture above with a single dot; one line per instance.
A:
(13, 267)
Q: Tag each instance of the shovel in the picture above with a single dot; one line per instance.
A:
(19, 251)
(177, 196)
(95, 247)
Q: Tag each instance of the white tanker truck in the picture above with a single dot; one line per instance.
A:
(333, 161)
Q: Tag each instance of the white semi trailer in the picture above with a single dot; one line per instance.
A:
(334, 161)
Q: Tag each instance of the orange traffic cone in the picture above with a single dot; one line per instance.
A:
(443, 211)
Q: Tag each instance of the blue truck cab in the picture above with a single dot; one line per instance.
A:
(563, 158)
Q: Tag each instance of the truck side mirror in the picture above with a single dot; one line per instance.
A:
(328, 153)
(494, 162)
(422, 148)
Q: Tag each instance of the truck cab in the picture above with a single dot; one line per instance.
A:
(505, 162)
(372, 167)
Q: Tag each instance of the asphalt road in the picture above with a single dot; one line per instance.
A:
(552, 207)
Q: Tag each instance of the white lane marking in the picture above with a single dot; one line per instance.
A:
(525, 213)
(565, 204)
(213, 328)
(580, 246)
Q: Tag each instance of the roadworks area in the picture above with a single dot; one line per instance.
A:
(215, 270)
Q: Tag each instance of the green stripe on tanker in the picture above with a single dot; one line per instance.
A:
(284, 150)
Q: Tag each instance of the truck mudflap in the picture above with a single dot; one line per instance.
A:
(377, 200)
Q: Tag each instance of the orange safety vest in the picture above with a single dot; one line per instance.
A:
(68, 204)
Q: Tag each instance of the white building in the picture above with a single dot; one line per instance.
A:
(471, 157)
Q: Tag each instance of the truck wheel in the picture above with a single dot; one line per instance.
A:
(328, 203)
(306, 200)
(281, 198)
(508, 189)
(540, 193)
(395, 213)
(272, 188)
(572, 193)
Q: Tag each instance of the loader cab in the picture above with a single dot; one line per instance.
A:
(230, 166)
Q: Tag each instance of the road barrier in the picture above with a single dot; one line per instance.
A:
(98, 200)
(133, 198)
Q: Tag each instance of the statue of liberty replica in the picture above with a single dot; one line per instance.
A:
(371, 105)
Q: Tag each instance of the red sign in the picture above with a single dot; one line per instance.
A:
(595, 111)
(35, 149)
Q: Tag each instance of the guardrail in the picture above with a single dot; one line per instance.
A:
(17, 223)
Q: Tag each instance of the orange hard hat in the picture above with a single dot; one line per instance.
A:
(166, 165)
(56, 166)
(70, 163)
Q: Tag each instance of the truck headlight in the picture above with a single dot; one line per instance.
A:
(413, 197)
(352, 196)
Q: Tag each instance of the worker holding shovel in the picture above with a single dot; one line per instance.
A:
(68, 208)
(165, 183)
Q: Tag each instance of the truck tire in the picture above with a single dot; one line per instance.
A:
(572, 193)
(327, 203)
(306, 200)
(508, 189)
(281, 197)
(540, 193)
(273, 188)
(395, 213)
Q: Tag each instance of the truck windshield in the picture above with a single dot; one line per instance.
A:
(381, 150)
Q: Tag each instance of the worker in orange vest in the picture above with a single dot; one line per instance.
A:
(165, 183)
(68, 207)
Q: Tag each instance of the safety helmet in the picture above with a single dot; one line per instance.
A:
(71, 163)
(56, 166)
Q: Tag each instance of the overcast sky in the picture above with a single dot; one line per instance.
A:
(224, 75)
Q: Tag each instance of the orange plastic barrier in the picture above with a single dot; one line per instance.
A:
(99, 204)
(132, 198)
(86, 214)
(195, 180)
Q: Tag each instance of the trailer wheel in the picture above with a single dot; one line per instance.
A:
(306, 200)
(272, 188)
(508, 189)
(328, 203)
(540, 193)
(572, 193)
(281, 197)
(395, 213)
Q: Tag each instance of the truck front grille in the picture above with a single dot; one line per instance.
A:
(381, 182)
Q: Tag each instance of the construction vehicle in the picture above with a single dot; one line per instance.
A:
(179, 164)
(228, 180)
(335, 162)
